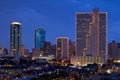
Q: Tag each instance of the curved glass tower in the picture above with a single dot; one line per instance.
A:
(15, 38)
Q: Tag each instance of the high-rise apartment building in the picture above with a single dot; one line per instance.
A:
(91, 33)
(62, 48)
(39, 38)
(15, 38)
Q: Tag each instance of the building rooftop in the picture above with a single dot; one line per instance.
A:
(16, 23)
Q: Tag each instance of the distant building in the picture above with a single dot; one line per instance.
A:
(15, 38)
(71, 48)
(27, 52)
(47, 46)
(114, 50)
(5, 51)
(53, 50)
(91, 35)
(39, 38)
(22, 49)
(42, 58)
(62, 48)
(1, 49)
(36, 52)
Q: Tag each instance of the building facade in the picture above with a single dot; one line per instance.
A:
(3, 50)
(91, 31)
(53, 50)
(114, 50)
(47, 46)
(71, 48)
(36, 52)
(39, 38)
(15, 38)
(22, 49)
(62, 48)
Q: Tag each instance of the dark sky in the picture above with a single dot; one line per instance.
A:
(57, 17)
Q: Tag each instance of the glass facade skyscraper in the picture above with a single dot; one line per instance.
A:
(15, 38)
(39, 38)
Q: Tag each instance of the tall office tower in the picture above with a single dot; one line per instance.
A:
(91, 33)
(39, 38)
(15, 38)
(62, 48)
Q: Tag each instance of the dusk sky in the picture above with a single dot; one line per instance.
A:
(57, 17)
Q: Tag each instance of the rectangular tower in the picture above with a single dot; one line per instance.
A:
(62, 48)
(91, 33)
(39, 38)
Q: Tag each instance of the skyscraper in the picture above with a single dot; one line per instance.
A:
(62, 48)
(39, 38)
(15, 38)
(91, 33)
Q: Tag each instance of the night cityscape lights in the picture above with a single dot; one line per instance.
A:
(83, 59)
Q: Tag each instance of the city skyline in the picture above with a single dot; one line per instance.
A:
(56, 17)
